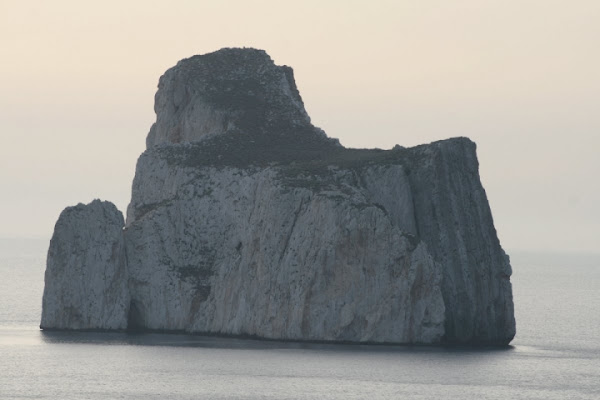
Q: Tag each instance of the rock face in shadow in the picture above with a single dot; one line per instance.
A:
(86, 283)
(454, 219)
(245, 219)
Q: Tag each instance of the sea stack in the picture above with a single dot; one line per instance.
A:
(245, 219)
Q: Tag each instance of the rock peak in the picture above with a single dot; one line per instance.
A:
(232, 89)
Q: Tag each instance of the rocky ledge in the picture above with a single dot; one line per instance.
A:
(245, 219)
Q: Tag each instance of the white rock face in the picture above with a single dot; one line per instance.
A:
(239, 252)
(247, 220)
(86, 273)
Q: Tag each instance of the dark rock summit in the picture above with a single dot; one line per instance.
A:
(231, 90)
(245, 219)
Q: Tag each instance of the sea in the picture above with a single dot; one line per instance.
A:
(555, 354)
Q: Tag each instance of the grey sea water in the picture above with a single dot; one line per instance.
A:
(555, 355)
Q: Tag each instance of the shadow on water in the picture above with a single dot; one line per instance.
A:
(219, 342)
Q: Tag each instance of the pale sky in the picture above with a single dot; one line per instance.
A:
(519, 77)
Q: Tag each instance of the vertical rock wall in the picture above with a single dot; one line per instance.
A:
(237, 252)
(86, 282)
(453, 217)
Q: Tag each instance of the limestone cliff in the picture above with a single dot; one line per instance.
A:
(246, 219)
(86, 283)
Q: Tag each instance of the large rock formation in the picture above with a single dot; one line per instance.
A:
(245, 219)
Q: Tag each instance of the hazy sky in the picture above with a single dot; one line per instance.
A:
(520, 78)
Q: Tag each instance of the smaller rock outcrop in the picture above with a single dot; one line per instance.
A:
(86, 271)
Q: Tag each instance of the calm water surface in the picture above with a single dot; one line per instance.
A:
(556, 354)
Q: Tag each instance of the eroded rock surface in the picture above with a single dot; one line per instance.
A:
(244, 252)
(246, 219)
(86, 283)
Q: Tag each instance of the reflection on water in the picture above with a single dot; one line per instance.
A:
(219, 342)
(187, 340)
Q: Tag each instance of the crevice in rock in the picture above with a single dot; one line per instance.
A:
(135, 317)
